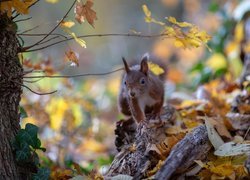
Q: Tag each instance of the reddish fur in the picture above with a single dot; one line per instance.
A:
(150, 95)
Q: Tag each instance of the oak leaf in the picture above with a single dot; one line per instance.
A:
(85, 11)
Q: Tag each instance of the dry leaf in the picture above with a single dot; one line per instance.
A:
(85, 11)
(21, 7)
(232, 149)
(67, 24)
(72, 57)
(155, 68)
(52, 1)
(213, 136)
(80, 41)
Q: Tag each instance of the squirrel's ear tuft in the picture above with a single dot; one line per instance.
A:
(125, 65)
(144, 65)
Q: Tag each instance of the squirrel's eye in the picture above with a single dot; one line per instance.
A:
(125, 82)
(142, 81)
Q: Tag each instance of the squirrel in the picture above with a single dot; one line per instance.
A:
(141, 92)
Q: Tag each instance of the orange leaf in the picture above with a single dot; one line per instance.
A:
(67, 24)
(72, 57)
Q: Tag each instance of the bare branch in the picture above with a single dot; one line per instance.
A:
(28, 30)
(52, 34)
(58, 24)
(38, 93)
(24, 49)
(27, 81)
(55, 37)
(25, 19)
(77, 75)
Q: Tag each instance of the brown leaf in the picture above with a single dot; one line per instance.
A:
(84, 11)
(72, 57)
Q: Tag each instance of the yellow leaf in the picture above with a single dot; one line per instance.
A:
(239, 32)
(78, 40)
(178, 43)
(155, 68)
(6, 7)
(223, 169)
(52, 1)
(56, 109)
(217, 61)
(93, 146)
(180, 24)
(67, 24)
(146, 11)
(22, 6)
(170, 31)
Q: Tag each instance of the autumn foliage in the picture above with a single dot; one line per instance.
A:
(69, 132)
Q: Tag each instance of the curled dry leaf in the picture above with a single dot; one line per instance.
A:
(85, 11)
(213, 136)
(72, 57)
(67, 24)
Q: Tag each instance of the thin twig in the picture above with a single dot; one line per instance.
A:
(33, 71)
(24, 49)
(27, 81)
(246, 133)
(31, 29)
(38, 93)
(77, 75)
(25, 19)
(55, 37)
(52, 34)
(58, 24)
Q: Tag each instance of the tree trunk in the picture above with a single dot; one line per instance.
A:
(10, 94)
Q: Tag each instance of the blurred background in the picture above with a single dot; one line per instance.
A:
(77, 123)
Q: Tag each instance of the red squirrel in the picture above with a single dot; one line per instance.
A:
(141, 92)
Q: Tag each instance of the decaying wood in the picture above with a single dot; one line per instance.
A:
(195, 146)
(138, 153)
(136, 145)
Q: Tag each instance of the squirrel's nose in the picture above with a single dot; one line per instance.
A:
(132, 94)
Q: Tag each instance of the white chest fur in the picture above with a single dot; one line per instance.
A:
(146, 100)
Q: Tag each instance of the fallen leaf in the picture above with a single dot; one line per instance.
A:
(232, 149)
(213, 136)
(85, 11)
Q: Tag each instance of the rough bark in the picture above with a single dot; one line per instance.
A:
(10, 95)
(195, 146)
(137, 145)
